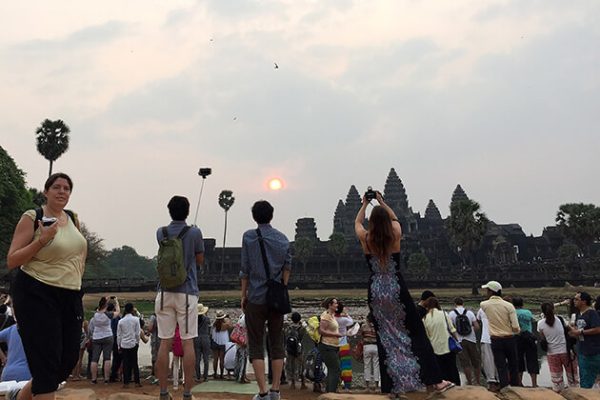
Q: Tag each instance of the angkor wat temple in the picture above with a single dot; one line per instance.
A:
(506, 254)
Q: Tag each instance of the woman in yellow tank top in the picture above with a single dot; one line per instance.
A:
(50, 254)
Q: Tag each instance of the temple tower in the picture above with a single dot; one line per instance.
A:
(458, 194)
(306, 227)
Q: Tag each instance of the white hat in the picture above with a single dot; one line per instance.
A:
(493, 286)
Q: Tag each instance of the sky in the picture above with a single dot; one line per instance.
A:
(498, 96)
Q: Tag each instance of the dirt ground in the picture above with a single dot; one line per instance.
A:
(103, 391)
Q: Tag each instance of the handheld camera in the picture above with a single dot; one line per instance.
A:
(370, 194)
(47, 221)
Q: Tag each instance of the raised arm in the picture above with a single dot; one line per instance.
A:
(359, 229)
(395, 223)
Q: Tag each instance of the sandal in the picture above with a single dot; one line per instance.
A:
(445, 388)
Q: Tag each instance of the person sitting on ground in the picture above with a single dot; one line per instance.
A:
(15, 367)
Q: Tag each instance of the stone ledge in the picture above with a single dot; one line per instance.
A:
(131, 396)
(522, 393)
(76, 394)
(580, 394)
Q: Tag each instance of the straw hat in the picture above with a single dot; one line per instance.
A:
(202, 309)
(220, 314)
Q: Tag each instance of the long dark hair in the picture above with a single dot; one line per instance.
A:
(380, 238)
(548, 310)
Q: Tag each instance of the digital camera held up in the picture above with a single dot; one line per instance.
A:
(370, 194)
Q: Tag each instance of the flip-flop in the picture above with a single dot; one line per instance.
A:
(447, 387)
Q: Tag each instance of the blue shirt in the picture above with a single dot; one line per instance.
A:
(524, 317)
(16, 368)
(192, 244)
(277, 248)
(590, 345)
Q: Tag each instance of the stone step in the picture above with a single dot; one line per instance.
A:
(523, 393)
(76, 394)
(581, 394)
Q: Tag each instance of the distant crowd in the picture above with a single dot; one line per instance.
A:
(404, 345)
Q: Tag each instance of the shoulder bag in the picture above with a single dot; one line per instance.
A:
(453, 344)
(278, 298)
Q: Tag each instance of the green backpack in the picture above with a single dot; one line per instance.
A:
(172, 271)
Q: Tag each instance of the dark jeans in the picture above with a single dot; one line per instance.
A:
(505, 358)
(130, 363)
(329, 354)
(202, 347)
(117, 359)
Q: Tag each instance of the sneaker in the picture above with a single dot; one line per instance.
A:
(274, 395)
(259, 397)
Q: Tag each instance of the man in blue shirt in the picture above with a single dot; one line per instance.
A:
(254, 293)
(587, 332)
(177, 305)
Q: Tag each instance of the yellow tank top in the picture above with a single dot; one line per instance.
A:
(333, 326)
(61, 262)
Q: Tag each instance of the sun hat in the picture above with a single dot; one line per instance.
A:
(202, 309)
(220, 314)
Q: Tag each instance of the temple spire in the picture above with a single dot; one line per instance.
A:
(458, 194)
(394, 193)
(432, 212)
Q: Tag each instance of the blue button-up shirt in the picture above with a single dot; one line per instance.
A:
(277, 248)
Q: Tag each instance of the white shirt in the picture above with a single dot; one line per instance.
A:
(485, 327)
(344, 322)
(101, 325)
(220, 337)
(471, 336)
(128, 332)
(555, 336)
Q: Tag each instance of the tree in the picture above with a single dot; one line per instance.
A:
(303, 250)
(96, 253)
(52, 140)
(580, 223)
(418, 264)
(226, 201)
(466, 227)
(337, 247)
(14, 200)
(37, 197)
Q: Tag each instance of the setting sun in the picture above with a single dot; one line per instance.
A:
(275, 184)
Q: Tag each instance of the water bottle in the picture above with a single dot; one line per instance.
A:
(581, 325)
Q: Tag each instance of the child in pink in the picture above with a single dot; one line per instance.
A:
(177, 349)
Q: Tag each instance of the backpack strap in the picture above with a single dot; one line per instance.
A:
(465, 312)
(183, 232)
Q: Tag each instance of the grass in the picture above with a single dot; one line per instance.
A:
(533, 297)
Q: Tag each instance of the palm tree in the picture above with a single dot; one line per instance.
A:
(52, 139)
(337, 247)
(467, 226)
(226, 200)
(303, 250)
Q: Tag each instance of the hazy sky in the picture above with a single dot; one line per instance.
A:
(498, 96)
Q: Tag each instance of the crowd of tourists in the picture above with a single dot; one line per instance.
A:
(404, 345)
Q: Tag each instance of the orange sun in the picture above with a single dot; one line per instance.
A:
(275, 184)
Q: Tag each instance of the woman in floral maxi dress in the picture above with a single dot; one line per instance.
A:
(406, 358)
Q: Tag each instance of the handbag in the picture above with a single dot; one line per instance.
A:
(453, 344)
(278, 298)
(358, 351)
(239, 335)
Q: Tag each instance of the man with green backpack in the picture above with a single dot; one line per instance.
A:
(180, 251)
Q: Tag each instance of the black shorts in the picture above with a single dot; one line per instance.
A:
(50, 328)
